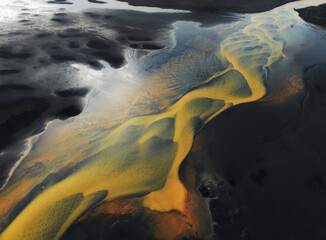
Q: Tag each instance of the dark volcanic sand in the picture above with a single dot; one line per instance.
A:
(272, 167)
(212, 5)
(28, 101)
(263, 168)
(315, 15)
(265, 173)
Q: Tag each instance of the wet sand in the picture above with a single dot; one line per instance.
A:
(260, 158)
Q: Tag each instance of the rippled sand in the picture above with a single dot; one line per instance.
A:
(136, 150)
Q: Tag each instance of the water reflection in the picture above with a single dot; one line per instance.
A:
(121, 95)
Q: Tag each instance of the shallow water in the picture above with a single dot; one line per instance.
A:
(130, 96)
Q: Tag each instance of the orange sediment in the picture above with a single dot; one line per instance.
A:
(143, 154)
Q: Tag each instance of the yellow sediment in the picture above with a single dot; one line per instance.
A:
(143, 154)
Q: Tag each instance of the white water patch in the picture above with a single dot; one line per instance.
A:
(10, 9)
